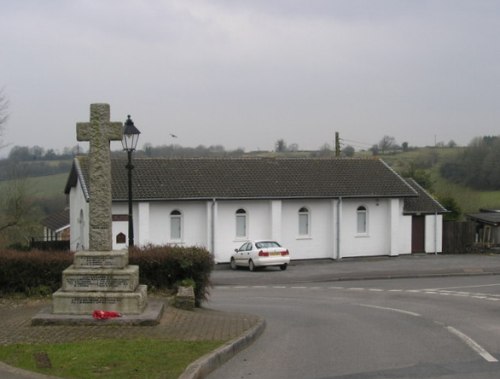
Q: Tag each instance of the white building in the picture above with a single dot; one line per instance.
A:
(317, 208)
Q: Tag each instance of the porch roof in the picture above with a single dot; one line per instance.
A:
(423, 204)
(489, 218)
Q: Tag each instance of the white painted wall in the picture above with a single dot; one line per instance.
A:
(120, 226)
(79, 233)
(388, 232)
(259, 225)
(376, 241)
(433, 233)
(319, 242)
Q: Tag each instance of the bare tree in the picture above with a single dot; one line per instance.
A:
(387, 143)
(3, 115)
(19, 215)
(280, 146)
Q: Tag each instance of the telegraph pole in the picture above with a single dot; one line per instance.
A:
(337, 144)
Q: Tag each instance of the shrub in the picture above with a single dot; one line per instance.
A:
(32, 272)
(164, 267)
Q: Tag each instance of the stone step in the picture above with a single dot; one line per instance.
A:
(85, 303)
(101, 259)
(100, 280)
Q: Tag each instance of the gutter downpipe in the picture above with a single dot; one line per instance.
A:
(339, 208)
(435, 232)
(212, 227)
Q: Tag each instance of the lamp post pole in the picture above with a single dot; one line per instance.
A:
(130, 167)
(129, 142)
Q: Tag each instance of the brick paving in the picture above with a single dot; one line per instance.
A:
(175, 324)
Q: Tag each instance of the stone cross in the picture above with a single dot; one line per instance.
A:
(99, 132)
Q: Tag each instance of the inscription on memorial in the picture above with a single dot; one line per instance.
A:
(101, 281)
(95, 300)
(97, 261)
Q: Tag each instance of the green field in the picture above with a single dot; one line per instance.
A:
(469, 200)
(41, 186)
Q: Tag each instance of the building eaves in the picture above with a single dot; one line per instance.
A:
(424, 203)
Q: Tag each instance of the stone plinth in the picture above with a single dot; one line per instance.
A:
(84, 303)
(185, 298)
(100, 281)
(95, 279)
(101, 259)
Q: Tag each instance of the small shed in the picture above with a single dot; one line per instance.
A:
(487, 226)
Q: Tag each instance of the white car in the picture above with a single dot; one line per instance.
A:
(253, 254)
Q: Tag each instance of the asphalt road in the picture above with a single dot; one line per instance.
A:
(400, 328)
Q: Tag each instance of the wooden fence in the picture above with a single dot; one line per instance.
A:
(458, 237)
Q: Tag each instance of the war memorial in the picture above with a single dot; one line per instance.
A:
(100, 279)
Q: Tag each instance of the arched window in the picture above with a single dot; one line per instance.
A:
(175, 225)
(241, 223)
(362, 220)
(121, 238)
(303, 221)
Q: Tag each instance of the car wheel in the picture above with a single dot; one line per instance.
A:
(283, 267)
(233, 264)
(251, 265)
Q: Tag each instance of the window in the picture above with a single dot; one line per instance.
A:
(362, 220)
(175, 225)
(303, 221)
(241, 223)
(121, 238)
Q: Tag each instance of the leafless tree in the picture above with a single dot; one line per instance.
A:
(387, 143)
(19, 217)
(3, 115)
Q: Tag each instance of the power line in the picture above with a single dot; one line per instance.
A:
(356, 142)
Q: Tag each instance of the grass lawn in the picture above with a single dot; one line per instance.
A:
(139, 358)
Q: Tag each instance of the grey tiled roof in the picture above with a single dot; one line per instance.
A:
(251, 178)
(57, 220)
(423, 204)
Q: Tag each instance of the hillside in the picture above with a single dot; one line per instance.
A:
(429, 160)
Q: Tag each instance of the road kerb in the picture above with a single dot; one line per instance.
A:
(209, 362)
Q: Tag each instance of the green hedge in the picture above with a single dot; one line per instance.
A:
(160, 267)
(165, 267)
(32, 272)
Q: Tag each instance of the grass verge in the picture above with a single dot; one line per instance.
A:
(136, 358)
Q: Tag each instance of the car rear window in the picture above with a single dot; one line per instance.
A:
(267, 244)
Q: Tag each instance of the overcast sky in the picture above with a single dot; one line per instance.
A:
(247, 73)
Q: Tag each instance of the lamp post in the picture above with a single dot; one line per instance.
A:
(129, 143)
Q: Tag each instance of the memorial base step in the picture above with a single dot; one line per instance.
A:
(101, 259)
(85, 303)
(149, 317)
(98, 279)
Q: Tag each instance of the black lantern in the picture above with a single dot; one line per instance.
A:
(130, 135)
(129, 143)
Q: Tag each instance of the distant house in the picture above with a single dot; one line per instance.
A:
(487, 226)
(56, 232)
(56, 226)
(318, 208)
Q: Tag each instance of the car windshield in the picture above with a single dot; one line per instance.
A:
(266, 244)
